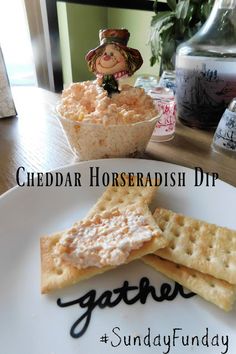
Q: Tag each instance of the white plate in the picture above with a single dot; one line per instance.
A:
(32, 323)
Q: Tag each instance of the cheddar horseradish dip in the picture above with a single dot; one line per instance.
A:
(106, 239)
(97, 126)
(88, 102)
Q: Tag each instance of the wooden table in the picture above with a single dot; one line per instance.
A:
(35, 140)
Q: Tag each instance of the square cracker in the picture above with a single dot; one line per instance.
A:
(122, 196)
(198, 245)
(217, 291)
(54, 277)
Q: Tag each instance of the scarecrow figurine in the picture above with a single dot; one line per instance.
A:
(112, 59)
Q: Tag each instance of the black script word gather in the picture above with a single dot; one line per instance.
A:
(126, 293)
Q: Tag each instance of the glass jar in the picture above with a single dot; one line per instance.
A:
(206, 69)
(224, 140)
(147, 82)
(164, 101)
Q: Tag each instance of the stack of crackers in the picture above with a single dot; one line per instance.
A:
(198, 255)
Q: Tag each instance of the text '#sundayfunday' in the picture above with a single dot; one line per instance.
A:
(167, 343)
(98, 178)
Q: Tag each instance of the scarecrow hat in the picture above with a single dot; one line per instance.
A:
(118, 37)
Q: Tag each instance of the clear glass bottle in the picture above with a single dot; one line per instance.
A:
(206, 69)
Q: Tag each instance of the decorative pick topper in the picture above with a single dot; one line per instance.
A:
(112, 59)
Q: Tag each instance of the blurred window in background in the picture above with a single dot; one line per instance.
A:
(15, 43)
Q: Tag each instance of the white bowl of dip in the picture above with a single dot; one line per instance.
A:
(97, 126)
(90, 141)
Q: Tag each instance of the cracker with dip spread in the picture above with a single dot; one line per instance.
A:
(119, 229)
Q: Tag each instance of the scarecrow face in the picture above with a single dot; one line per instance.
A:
(110, 61)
